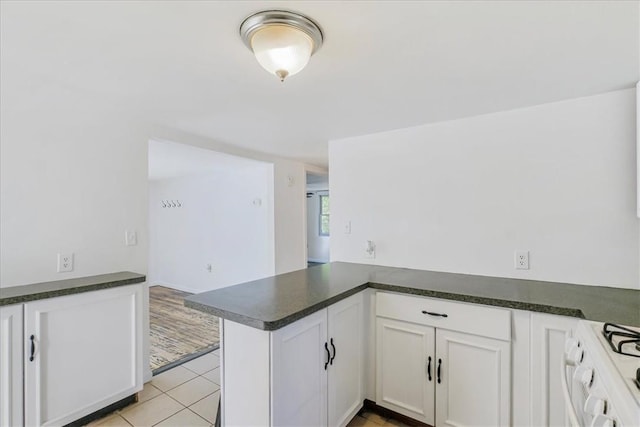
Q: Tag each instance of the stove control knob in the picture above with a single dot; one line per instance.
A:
(595, 405)
(603, 421)
(584, 374)
(575, 356)
(570, 343)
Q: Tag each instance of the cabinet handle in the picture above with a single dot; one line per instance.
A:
(431, 313)
(33, 347)
(429, 368)
(326, 347)
(439, 364)
(334, 352)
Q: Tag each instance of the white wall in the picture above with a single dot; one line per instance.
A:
(317, 245)
(74, 178)
(225, 219)
(72, 181)
(558, 180)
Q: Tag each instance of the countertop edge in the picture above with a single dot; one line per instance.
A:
(53, 293)
(275, 324)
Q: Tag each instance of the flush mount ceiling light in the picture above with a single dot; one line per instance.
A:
(282, 41)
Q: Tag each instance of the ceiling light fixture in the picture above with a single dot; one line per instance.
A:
(282, 41)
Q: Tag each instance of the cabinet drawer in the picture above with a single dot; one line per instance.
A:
(471, 318)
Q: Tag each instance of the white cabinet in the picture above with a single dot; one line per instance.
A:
(11, 392)
(405, 368)
(438, 376)
(317, 367)
(308, 373)
(299, 363)
(345, 382)
(472, 380)
(548, 336)
(82, 352)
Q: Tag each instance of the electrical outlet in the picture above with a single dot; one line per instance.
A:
(65, 262)
(209, 268)
(347, 227)
(521, 260)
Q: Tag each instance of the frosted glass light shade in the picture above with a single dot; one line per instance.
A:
(281, 41)
(282, 50)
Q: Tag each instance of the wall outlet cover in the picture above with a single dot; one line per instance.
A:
(521, 260)
(65, 262)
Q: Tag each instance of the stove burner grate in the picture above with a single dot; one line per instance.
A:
(627, 339)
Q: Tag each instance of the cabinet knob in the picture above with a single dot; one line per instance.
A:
(429, 368)
(439, 365)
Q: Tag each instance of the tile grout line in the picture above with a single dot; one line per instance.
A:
(164, 419)
(198, 415)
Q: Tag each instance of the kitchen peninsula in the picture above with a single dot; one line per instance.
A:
(313, 344)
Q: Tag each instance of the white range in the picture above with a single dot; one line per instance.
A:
(600, 373)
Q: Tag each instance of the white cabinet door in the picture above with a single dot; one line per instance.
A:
(405, 368)
(548, 336)
(87, 353)
(11, 363)
(299, 377)
(473, 380)
(345, 372)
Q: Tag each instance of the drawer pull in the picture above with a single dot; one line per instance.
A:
(431, 313)
(439, 364)
(429, 368)
(33, 347)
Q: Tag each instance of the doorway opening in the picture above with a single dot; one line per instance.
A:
(318, 215)
(210, 226)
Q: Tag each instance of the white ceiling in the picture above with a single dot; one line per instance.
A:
(171, 160)
(384, 64)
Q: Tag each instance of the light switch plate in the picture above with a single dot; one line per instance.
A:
(130, 238)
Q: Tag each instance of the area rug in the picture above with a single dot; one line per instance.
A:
(178, 333)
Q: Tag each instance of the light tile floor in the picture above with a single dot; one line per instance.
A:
(371, 419)
(188, 396)
(185, 396)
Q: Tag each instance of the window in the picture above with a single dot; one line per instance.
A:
(324, 214)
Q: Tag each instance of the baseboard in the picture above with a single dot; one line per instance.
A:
(323, 261)
(104, 411)
(177, 287)
(371, 406)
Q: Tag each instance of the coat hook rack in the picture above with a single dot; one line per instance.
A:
(171, 203)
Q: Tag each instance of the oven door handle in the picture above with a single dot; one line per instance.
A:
(571, 412)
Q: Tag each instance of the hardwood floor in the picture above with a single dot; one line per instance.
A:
(177, 332)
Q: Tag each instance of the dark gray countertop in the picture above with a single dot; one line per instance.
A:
(276, 301)
(36, 291)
